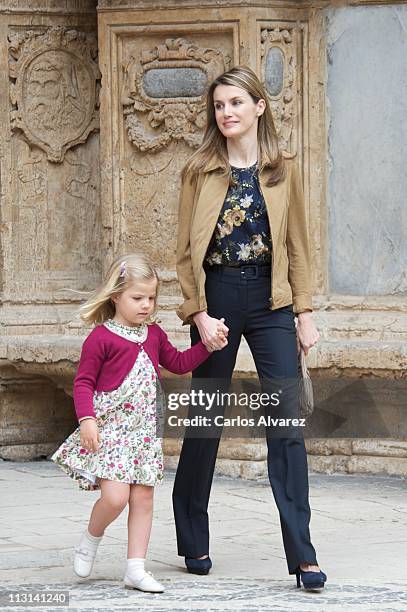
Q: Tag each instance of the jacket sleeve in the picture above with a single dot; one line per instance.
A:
(299, 261)
(181, 362)
(90, 364)
(184, 264)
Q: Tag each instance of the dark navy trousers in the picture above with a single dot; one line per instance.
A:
(242, 298)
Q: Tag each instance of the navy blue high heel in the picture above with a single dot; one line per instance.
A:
(198, 566)
(310, 580)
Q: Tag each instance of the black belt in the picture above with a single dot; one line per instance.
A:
(246, 271)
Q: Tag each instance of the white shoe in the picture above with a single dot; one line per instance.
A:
(146, 583)
(85, 556)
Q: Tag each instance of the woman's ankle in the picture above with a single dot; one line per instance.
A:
(309, 567)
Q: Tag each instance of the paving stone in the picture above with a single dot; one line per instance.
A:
(357, 527)
(230, 594)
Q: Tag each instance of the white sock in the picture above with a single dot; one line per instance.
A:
(89, 541)
(135, 568)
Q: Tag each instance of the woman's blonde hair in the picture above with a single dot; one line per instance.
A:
(214, 142)
(122, 273)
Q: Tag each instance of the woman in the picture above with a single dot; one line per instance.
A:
(243, 258)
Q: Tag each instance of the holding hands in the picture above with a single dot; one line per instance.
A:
(213, 331)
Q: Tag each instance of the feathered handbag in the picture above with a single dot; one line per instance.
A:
(305, 390)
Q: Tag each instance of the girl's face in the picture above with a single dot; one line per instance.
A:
(235, 111)
(136, 303)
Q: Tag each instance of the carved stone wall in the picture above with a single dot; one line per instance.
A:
(67, 208)
(282, 70)
(162, 83)
(151, 59)
(50, 240)
(157, 75)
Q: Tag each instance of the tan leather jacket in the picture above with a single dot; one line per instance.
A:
(201, 200)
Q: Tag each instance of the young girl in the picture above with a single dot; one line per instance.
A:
(117, 447)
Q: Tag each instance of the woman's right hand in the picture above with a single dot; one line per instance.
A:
(90, 437)
(213, 331)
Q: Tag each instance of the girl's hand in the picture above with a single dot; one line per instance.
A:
(307, 333)
(222, 340)
(90, 437)
(213, 331)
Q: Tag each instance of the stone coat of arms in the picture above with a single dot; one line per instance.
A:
(54, 88)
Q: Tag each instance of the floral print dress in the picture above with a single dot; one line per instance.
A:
(127, 418)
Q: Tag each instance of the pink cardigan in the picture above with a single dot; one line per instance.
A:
(107, 358)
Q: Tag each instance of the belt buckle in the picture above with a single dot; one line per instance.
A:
(245, 269)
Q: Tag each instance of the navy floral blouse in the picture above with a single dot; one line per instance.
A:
(242, 235)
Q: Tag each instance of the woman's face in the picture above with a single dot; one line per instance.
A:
(235, 111)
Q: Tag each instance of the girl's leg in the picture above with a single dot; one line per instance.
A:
(114, 498)
(139, 529)
(139, 520)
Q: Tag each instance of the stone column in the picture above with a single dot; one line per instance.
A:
(50, 240)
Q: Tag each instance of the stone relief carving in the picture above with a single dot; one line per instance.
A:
(278, 70)
(54, 88)
(29, 230)
(31, 172)
(147, 169)
(77, 181)
(168, 83)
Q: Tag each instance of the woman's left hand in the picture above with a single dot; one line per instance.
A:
(307, 333)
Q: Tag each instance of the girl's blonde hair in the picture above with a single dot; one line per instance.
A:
(123, 271)
(214, 142)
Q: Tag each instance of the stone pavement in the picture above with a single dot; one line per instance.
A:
(358, 527)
